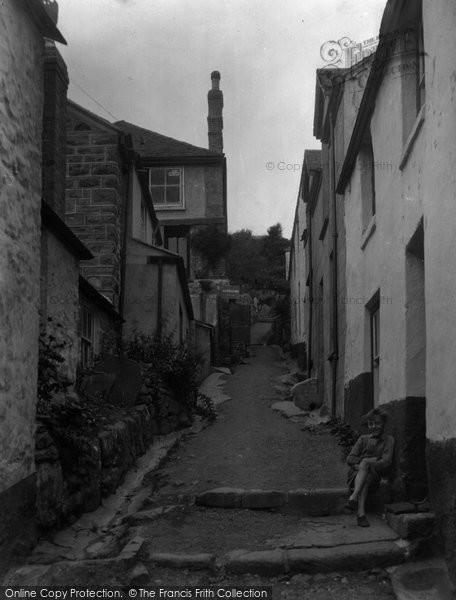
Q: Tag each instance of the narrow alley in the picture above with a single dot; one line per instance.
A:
(187, 522)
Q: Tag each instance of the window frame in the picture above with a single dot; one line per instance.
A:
(168, 205)
(86, 335)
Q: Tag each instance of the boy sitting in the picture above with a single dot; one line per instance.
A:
(370, 459)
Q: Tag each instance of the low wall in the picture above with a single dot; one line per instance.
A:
(74, 474)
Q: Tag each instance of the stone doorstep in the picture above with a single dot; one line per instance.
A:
(316, 502)
(410, 526)
(278, 561)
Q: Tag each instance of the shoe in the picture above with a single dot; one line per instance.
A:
(363, 522)
(351, 505)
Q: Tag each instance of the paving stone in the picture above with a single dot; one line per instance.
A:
(412, 525)
(422, 580)
(264, 562)
(139, 575)
(288, 409)
(221, 498)
(148, 515)
(31, 574)
(263, 499)
(105, 548)
(351, 557)
(317, 502)
(133, 548)
(183, 561)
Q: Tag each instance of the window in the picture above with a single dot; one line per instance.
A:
(87, 336)
(374, 310)
(177, 240)
(166, 189)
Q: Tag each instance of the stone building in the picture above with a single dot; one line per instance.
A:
(110, 207)
(298, 271)
(381, 181)
(23, 27)
(187, 184)
(394, 179)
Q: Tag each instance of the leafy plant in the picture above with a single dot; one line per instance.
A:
(212, 244)
(51, 380)
(177, 364)
(343, 432)
(205, 408)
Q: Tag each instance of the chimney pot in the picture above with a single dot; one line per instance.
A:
(215, 118)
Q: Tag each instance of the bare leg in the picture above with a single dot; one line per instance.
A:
(360, 482)
(362, 499)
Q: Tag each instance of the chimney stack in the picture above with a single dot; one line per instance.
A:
(215, 118)
(54, 128)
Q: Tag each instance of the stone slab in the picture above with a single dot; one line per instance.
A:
(422, 580)
(412, 525)
(263, 499)
(224, 370)
(316, 502)
(221, 498)
(334, 531)
(183, 561)
(288, 409)
(263, 562)
(351, 557)
(212, 387)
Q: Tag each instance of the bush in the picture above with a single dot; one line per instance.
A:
(344, 433)
(51, 381)
(212, 244)
(177, 364)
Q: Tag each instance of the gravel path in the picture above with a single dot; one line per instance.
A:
(250, 445)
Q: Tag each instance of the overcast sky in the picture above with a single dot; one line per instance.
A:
(149, 62)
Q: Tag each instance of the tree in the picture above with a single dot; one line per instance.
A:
(258, 261)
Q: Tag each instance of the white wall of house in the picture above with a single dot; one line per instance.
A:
(439, 189)
(21, 109)
(298, 276)
(141, 223)
(376, 258)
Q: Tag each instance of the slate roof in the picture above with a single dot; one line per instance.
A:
(154, 145)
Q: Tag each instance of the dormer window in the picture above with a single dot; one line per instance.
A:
(166, 187)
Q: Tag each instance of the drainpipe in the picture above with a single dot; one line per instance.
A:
(309, 341)
(128, 164)
(160, 297)
(335, 349)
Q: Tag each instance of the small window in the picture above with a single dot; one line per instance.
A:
(373, 308)
(87, 336)
(166, 186)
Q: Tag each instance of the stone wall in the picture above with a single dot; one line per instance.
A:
(94, 192)
(73, 477)
(60, 299)
(54, 129)
(21, 106)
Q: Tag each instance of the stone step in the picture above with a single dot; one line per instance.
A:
(314, 503)
(269, 543)
(281, 561)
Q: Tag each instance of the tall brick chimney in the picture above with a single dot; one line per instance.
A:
(215, 119)
(54, 129)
